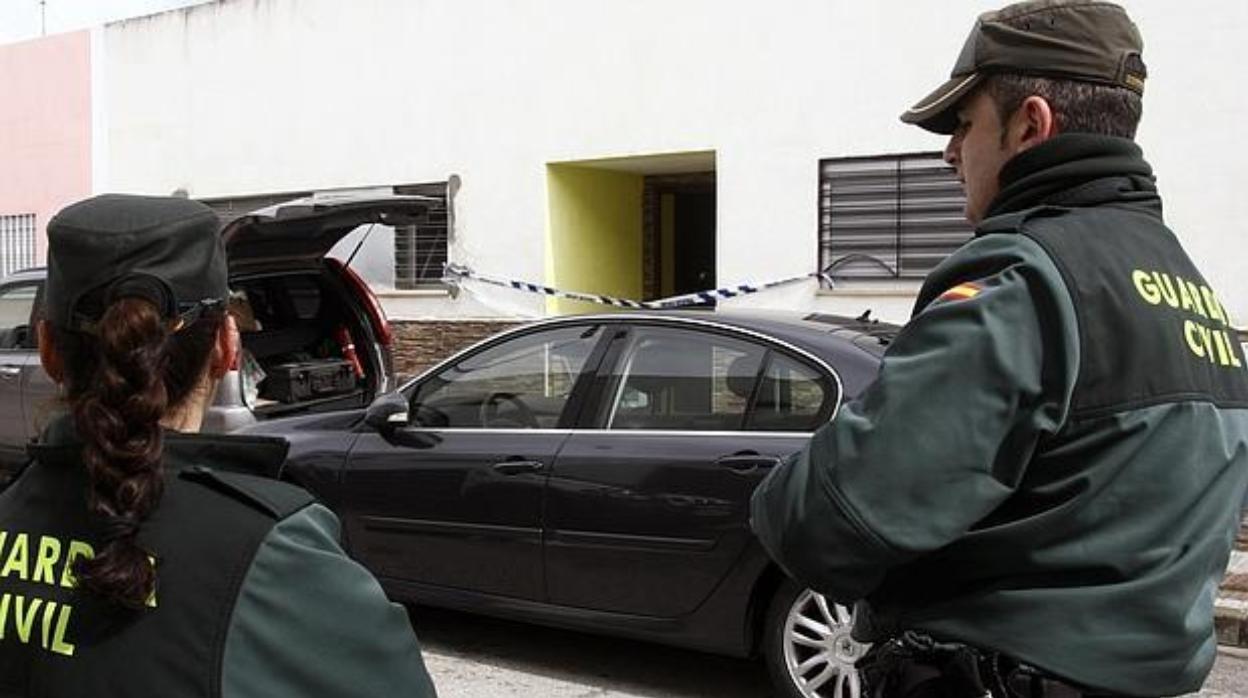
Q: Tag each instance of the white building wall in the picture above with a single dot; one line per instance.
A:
(248, 96)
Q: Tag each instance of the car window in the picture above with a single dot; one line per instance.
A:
(523, 383)
(792, 397)
(16, 303)
(282, 301)
(682, 380)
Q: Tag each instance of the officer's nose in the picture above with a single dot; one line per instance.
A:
(952, 150)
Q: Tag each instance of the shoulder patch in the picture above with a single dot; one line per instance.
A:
(961, 292)
(276, 499)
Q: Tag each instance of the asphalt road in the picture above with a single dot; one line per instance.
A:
(474, 657)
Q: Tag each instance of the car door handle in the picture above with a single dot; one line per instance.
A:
(517, 467)
(9, 371)
(745, 462)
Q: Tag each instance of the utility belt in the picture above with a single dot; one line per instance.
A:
(915, 665)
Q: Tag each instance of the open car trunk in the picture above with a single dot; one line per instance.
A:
(313, 336)
(299, 345)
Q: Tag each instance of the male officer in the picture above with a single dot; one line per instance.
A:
(1039, 493)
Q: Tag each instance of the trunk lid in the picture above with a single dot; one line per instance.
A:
(306, 229)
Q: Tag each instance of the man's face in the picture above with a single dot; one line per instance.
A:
(977, 152)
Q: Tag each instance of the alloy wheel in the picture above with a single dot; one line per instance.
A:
(819, 653)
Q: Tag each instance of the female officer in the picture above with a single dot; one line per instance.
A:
(135, 558)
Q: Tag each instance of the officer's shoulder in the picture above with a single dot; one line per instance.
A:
(1007, 238)
(1022, 220)
(273, 498)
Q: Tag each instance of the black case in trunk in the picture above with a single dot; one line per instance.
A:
(305, 380)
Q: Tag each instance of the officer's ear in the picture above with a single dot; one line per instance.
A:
(1031, 124)
(49, 356)
(225, 350)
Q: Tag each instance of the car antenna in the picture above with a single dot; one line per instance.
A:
(360, 244)
(865, 317)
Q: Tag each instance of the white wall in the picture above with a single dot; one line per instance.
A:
(251, 96)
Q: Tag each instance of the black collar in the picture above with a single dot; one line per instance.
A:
(1077, 169)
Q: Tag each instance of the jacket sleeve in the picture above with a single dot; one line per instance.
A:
(944, 434)
(309, 621)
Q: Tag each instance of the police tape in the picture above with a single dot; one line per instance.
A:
(454, 274)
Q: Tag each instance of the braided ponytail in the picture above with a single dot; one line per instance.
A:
(120, 381)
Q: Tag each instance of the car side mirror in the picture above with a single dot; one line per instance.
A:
(387, 413)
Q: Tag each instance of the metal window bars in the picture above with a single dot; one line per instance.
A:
(891, 217)
(17, 242)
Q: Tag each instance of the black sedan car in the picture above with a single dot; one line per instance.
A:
(594, 472)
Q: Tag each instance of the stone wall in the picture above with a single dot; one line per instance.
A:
(419, 345)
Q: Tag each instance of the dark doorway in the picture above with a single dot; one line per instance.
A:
(679, 244)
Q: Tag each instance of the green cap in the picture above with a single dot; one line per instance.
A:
(165, 249)
(1081, 40)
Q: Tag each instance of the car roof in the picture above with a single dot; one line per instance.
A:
(851, 347)
(808, 331)
(29, 274)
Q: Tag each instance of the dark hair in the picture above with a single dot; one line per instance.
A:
(120, 381)
(1078, 107)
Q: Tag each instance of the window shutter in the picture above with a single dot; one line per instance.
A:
(888, 217)
(17, 243)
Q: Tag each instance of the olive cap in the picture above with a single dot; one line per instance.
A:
(167, 250)
(1083, 40)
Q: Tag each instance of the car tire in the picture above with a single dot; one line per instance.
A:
(807, 647)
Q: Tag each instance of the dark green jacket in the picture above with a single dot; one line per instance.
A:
(1052, 460)
(254, 597)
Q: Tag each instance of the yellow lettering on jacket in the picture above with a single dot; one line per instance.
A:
(1192, 332)
(49, 553)
(1146, 287)
(59, 645)
(1214, 345)
(34, 620)
(20, 613)
(49, 612)
(1196, 301)
(77, 549)
(1223, 355)
(1212, 304)
(1207, 337)
(26, 611)
(1166, 288)
(1185, 299)
(1226, 350)
(17, 558)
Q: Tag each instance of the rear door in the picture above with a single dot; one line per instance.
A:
(648, 509)
(454, 499)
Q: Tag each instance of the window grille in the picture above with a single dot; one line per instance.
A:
(892, 217)
(17, 243)
(420, 250)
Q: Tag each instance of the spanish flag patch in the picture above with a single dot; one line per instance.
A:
(960, 292)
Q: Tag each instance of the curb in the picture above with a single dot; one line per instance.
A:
(1230, 619)
(1230, 610)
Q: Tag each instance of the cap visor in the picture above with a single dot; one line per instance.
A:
(935, 112)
